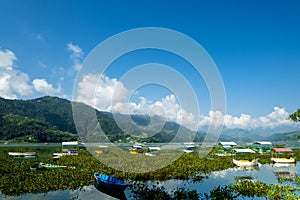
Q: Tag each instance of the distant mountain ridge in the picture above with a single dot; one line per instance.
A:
(242, 135)
(49, 117)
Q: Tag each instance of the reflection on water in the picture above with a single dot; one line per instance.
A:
(87, 192)
(113, 193)
(267, 173)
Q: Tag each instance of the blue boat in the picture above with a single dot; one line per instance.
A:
(109, 182)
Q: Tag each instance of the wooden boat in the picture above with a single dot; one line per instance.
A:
(57, 155)
(244, 162)
(283, 160)
(153, 151)
(47, 166)
(282, 155)
(136, 149)
(151, 154)
(22, 154)
(109, 182)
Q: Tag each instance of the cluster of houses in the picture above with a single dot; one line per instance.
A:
(279, 155)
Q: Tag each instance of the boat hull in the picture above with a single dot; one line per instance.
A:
(46, 166)
(109, 183)
(245, 163)
(21, 154)
(283, 160)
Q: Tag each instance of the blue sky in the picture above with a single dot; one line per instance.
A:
(255, 45)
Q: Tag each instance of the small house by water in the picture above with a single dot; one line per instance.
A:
(68, 149)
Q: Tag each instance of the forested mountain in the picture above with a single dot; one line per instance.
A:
(50, 119)
(15, 127)
(53, 110)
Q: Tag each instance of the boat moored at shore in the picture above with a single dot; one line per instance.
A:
(282, 155)
(241, 162)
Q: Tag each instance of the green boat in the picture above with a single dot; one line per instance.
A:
(47, 166)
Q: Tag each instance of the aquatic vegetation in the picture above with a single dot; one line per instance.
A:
(224, 193)
(142, 191)
(260, 189)
(181, 193)
(17, 178)
(227, 192)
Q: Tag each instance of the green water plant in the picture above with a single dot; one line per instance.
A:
(17, 178)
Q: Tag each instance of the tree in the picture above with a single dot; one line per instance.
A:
(296, 118)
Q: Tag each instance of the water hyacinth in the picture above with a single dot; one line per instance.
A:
(17, 178)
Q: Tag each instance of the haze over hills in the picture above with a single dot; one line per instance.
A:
(50, 119)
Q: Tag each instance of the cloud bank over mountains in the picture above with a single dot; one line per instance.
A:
(109, 94)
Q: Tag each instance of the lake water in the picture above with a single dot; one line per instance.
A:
(265, 173)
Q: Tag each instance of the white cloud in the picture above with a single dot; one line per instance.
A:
(76, 55)
(278, 117)
(13, 83)
(110, 95)
(101, 92)
(41, 85)
(7, 59)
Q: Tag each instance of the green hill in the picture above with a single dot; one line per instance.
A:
(24, 129)
(53, 110)
(50, 119)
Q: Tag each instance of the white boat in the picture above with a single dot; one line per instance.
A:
(136, 149)
(244, 162)
(152, 151)
(22, 154)
(30, 154)
(283, 160)
(281, 165)
(57, 155)
(282, 155)
(151, 154)
(15, 154)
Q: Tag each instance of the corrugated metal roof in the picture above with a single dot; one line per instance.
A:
(282, 150)
(228, 143)
(69, 143)
(263, 143)
(243, 151)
